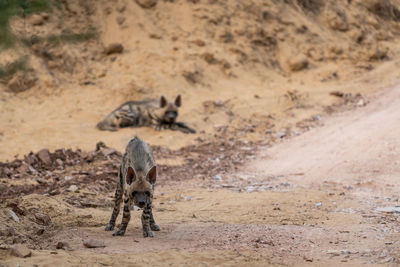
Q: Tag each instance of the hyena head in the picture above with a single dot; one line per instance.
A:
(141, 185)
(170, 110)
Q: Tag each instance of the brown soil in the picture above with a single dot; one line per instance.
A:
(295, 157)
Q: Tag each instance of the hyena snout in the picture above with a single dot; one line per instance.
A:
(171, 116)
(140, 198)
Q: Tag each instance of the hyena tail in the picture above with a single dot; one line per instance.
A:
(104, 125)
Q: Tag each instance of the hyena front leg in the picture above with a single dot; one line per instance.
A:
(153, 225)
(126, 216)
(146, 221)
(117, 206)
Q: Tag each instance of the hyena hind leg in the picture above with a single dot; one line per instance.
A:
(117, 206)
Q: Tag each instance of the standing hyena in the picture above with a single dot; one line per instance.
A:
(136, 179)
(153, 112)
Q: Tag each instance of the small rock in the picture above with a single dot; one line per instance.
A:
(21, 82)
(217, 177)
(120, 20)
(107, 151)
(388, 259)
(93, 243)
(199, 42)
(250, 188)
(280, 134)
(333, 252)
(59, 163)
(16, 85)
(114, 48)
(7, 171)
(298, 63)
(121, 8)
(24, 168)
(43, 219)
(41, 181)
(36, 19)
(13, 215)
(21, 251)
(44, 156)
(308, 259)
(389, 209)
(361, 103)
(40, 231)
(63, 245)
(72, 188)
(146, 3)
(319, 204)
(68, 178)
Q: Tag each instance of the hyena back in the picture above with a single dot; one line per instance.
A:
(136, 180)
(153, 112)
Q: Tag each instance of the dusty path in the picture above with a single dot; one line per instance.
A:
(359, 149)
(312, 200)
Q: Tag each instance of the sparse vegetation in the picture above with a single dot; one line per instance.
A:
(64, 37)
(10, 8)
(385, 10)
(7, 71)
(313, 6)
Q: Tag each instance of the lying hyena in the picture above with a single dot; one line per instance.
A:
(158, 113)
(136, 179)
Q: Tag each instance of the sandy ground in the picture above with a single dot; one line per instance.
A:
(334, 181)
(281, 172)
(222, 57)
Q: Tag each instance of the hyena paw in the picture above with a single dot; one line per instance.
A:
(119, 232)
(155, 227)
(109, 227)
(148, 234)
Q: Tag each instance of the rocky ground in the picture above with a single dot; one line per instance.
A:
(294, 162)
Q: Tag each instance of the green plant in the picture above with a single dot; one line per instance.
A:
(10, 8)
(64, 37)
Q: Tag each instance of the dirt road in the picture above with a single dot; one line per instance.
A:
(358, 149)
(323, 198)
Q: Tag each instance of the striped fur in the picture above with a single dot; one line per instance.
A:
(136, 179)
(157, 113)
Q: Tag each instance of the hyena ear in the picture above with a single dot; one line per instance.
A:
(163, 102)
(178, 101)
(152, 175)
(130, 176)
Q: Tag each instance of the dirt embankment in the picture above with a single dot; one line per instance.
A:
(282, 58)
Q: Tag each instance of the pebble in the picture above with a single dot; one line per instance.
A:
(44, 156)
(114, 48)
(72, 188)
(93, 243)
(333, 252)
(146, 3)
(63, 245)
(43, 218)
(13, 215)
(21, 251)
(59, 162)
(217, 177)
(389, 209)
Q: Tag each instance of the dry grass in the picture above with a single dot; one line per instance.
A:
(386, 10)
